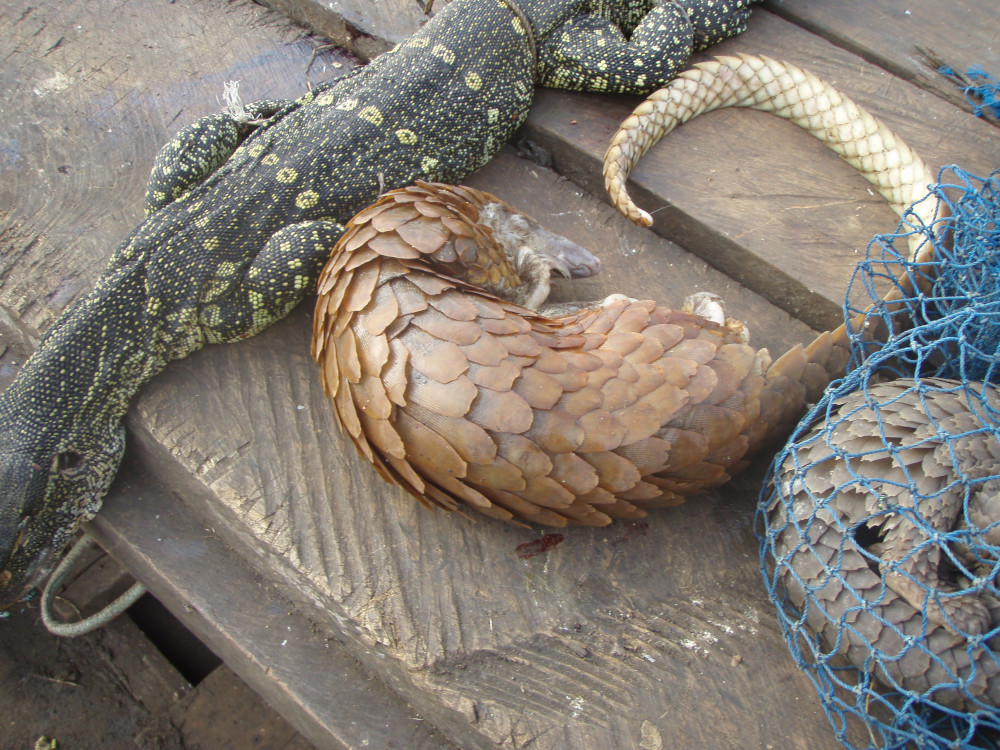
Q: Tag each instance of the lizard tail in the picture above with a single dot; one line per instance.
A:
(787, 91)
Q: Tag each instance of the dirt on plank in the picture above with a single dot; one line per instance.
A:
(65, 690)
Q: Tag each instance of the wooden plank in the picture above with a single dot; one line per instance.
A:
(270, 642)
(892, 35)
(222, 713)
(138, 667)
(108, 689)
(756, 196)
(95, 581)
(611, 637)
(94, 100)
(89, 107)
(365, 28)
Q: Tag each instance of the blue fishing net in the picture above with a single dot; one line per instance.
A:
(880, 520)
(949, 325)
(981, 89)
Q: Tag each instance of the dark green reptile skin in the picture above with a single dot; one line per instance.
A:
(241, 217)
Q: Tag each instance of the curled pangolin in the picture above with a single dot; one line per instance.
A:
(463, 397)
(917, 599)
(448, 381)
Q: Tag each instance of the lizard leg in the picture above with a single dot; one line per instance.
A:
(911, 565)
(626, 16)
(712, 20)
(198, 150)
(277, 280)
(591, 53)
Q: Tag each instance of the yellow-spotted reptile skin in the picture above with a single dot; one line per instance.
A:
(242, 212)
(455, 389)
(935, 443)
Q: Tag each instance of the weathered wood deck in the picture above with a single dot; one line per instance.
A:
(366, 620)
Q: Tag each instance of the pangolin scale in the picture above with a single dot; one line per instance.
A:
(920, 603)
(244, 206)
(464, 397)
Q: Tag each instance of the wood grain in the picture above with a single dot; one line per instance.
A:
(895, 35)
(367, 29)
(87, 109)
(273, 644)
(457, 613)
(648, 632)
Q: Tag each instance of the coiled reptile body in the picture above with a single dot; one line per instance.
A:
(242, 212)
(600, 412)
(894, 596)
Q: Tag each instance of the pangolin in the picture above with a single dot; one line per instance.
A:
(880, 578)
(447, 377)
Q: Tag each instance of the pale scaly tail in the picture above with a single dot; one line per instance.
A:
(787, 91)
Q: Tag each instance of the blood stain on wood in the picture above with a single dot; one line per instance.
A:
(527, 550)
